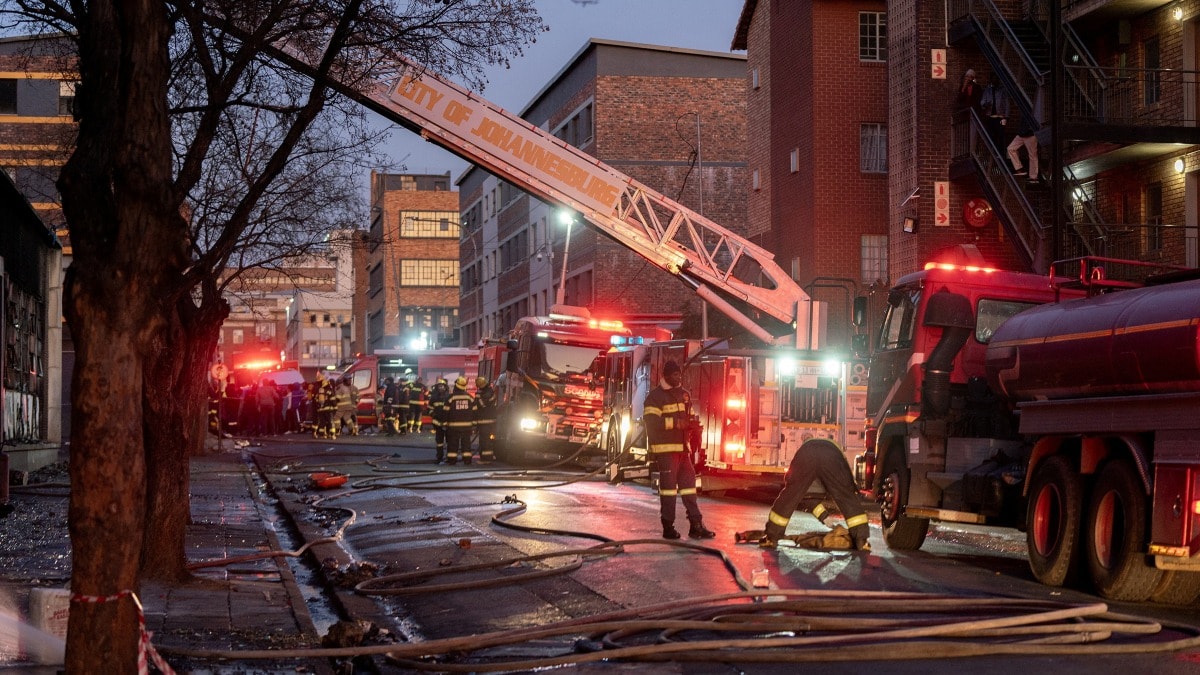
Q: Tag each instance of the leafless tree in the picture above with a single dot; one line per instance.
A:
(192, 150)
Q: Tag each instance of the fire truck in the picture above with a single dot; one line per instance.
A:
(1067, 405)
(545, 372)
(726, 270)
(754, 408)
(368, 371)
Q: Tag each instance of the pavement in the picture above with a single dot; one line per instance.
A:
(245, 597)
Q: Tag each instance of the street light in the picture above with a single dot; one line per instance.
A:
(566, 217)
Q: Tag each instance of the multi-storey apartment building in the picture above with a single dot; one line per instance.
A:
(1110, 89)
(411, 262)
(674, 119)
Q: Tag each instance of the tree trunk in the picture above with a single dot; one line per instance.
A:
(130, 243)
(176, 405)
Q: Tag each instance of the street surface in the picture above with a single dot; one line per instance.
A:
(460, 535)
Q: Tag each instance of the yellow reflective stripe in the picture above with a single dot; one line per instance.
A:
(651, 411)
(484, 421)
(461, 424)
(667, 493)
(673, 408)
(776, 519)
(669, 423)
(687, 491)
(666, 447)
(855, 521)
(819, 510)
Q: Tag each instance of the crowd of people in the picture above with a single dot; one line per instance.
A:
(328, 407)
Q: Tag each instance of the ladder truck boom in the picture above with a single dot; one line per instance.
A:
(718, 263)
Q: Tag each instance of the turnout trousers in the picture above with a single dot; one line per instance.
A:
(676, 478)
(819, 458)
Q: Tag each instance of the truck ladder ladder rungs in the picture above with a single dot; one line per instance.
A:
(664, 232)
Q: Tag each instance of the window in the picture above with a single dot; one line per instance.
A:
(239, 337)
(754, 78)
(896, 331)
(66, 97)
(872, 36)
(794, 161)
(874, 258)
(755, 181)
(8, 97)
(1152, 62)
(872, 148)
(1154, 219)
(578, 129)
(429, 273)
(433, 224)
(992, 313)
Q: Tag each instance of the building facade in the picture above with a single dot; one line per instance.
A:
(673, 119)
(412, 267)
(817, 145)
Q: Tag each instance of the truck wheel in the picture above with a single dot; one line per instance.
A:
(1052, 520)
(1177, 588)
(899, 531)
(612, 445)
(1115, 536)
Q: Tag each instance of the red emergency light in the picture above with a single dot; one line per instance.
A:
(964, 268)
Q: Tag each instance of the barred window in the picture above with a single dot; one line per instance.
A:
(66, 97)
(874, 258)
(872, 148)
(872, 36)
(429, 273)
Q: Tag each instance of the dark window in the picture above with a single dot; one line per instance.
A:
(8, 97)
(872, 36)
(1154, 219)
(1152, 63)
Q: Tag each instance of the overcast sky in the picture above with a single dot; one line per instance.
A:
(692, 24)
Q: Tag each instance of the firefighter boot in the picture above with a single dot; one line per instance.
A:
(698, 531)
(669, 531)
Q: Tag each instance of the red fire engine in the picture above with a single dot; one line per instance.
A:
(1065, 405)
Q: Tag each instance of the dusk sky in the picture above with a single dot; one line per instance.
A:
(691, 24)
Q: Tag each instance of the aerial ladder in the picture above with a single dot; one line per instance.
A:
(721, 266)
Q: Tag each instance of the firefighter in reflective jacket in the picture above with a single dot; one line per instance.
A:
(326, 409)
(823, 459)
(668, 420)
(459, 422)
(485, 418)
(439, 394)
(416, 404)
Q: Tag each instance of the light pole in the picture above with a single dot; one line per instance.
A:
(566, 217)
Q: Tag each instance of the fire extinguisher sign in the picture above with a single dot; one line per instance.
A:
(941, 203)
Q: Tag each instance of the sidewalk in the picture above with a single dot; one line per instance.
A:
(251, 604)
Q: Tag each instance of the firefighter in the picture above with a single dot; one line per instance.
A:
(387, 413)
(823, 459)
(347, 407)
(459, 423)
(668, 421)
(439, 394)
(326, 409)
(417, 391)
(400, 420)
(485, 419)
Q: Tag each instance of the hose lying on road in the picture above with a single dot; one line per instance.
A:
(788, 626)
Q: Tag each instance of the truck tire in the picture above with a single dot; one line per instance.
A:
(612, 444)
(1177, 588)
(899, 531)
(1052, 531)
(1115, 536)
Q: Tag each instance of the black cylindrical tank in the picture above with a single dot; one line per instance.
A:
(1138, 341)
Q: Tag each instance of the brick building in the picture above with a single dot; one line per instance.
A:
(817, 144)
(645, 110)
(411, 262)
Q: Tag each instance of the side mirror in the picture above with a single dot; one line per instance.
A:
(860, 311)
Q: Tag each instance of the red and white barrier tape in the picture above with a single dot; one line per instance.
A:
(145, 649)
